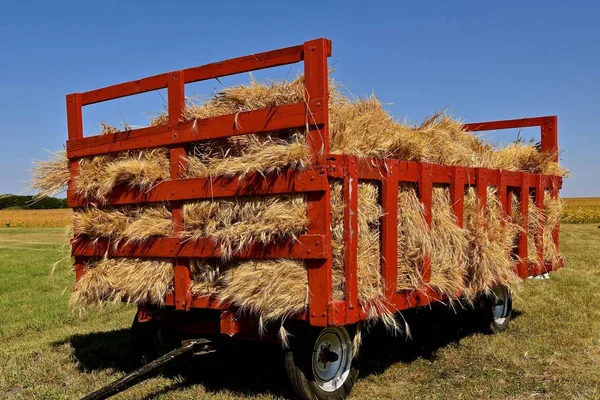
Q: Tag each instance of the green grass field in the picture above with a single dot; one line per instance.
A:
(551, 350)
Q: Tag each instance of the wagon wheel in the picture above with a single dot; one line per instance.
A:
(497, 310)
(321, 364)
(150, 340)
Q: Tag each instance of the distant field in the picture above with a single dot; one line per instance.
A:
(35, 218)
(581, 210)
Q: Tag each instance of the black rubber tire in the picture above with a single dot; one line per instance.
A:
(299, 371)
(491, 325)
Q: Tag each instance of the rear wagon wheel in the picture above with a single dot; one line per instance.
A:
(321, 364)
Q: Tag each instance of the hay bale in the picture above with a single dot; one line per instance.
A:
(491, 239)
(449, 247)
(50, 177)
(236, 223)
(128, 280)
(414, 240)
(134, 223)
(553, 209)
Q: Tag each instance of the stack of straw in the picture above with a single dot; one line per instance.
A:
(465, 261)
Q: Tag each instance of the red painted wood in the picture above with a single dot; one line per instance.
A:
(502, 193)
(125, 89)
(252, 62)
(313, 179)
(75, 131)
(425, 189)
(457, 194)
(389, 231)
(505, 124)
(350, 195)
(317, 95)
(283, 117)
(310, 247)
(481, 191)
(523, 265)
(539, 238)
(80, 267)
(178, 159)
(555, 185)
(319, 204)
(549, 140)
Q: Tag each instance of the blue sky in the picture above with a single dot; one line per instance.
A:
(481, 60)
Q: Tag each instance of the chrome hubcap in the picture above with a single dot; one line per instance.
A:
(332, 358)
(501, 306)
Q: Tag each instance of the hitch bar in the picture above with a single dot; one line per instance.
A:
(196, 346)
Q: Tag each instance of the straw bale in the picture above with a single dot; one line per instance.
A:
(235, 223)
(124, 280)
(491, 239)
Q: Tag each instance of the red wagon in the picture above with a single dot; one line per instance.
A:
(320, 364)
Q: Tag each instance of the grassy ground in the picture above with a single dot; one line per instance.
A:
(551, 350)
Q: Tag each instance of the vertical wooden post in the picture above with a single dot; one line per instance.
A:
(425, 189)
(502, 193)
(178, 158)
(457, 194)
(481, 179)
(549, 142)
(555, 184)
(350, 195)
(75, 131)
(539, 235)
(319, 204)
(523, 266)
(389, 230)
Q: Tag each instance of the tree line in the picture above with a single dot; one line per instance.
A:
(27, 202)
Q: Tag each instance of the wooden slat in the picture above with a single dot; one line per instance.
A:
(505, 124)
(425, 189)
(310, 247)
(283, 117)
(253, 62)
(319, 204)
(389, 231)
(350, 196)
(523, 266)
(182, 281)
(124, 89)
(539, 235)
(290, 181)
(457, 194)
(481, 191)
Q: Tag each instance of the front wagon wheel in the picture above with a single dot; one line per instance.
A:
(321, 364)
(498, 310)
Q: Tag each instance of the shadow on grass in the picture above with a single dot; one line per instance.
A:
(430, 328)
(255, 368)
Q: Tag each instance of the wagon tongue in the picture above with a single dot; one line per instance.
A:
(195, 346)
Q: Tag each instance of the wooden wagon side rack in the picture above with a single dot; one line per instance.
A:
(315, 246)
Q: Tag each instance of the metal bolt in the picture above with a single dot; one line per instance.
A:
(312, 315)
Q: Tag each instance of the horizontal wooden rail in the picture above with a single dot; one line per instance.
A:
(253, 62)
(506, 124)
(305, 247)
(407, 171)
(313, 179)
(266, 120)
